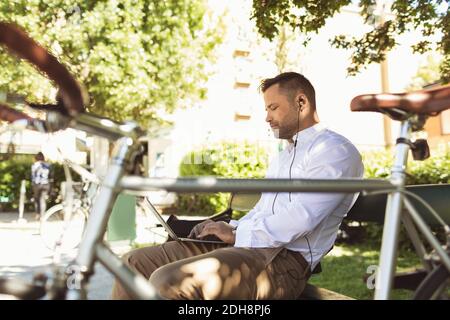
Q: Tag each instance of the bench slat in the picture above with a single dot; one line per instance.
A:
(312, 292)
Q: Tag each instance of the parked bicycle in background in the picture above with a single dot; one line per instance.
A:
(64, 223)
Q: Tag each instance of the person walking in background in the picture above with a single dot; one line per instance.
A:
(40, 181)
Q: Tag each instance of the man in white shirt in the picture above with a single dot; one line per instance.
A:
(270, 252)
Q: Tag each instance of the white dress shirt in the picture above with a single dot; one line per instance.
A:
(308, 222)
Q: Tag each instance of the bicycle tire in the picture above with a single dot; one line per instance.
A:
(21, 289)
(432, 283)
(52, 227)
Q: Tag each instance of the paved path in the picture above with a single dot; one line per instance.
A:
(22, 251)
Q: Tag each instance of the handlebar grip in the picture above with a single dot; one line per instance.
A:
(18, 42)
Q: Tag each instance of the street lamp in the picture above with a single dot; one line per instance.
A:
(379, 18)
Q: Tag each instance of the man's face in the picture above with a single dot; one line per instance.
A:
(282, 115)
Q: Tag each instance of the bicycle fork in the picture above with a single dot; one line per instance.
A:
(92, 247)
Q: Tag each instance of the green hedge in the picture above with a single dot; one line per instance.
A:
(433, 170)
(244, 160)
(17, 168)
(226, 160)
(249, 161)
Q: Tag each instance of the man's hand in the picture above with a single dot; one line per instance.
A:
(221, 229)
(198, 228)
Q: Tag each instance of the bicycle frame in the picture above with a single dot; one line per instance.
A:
(92, 246)
(116, 180)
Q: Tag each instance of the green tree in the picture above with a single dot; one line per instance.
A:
(427, 73)
(430, 17)
(285, 58)
(138, 59)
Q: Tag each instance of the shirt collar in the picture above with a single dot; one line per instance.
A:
(305, 135)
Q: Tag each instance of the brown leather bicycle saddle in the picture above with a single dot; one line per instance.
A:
(427, 102)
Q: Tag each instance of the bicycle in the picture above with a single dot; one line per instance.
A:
(411, 109)
(64, 223)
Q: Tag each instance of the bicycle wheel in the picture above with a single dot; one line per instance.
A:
(435, 285)
(55, 227)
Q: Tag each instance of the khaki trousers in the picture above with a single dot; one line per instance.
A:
(189, 270)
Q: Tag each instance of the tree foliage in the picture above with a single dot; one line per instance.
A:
(427, 73)
(137, 58)
(429, 17)
(224, 159)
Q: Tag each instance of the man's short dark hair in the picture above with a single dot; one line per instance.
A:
(291, 82)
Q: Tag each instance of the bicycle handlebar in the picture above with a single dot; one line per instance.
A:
(69, 111)
(19, 43)
(11, 115)
(21, 119)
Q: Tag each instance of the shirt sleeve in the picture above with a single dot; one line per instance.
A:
(306, 210)
(233, 223)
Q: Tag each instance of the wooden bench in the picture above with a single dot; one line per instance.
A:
(370, 209)
(312, 292)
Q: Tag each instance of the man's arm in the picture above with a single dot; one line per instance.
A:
(256, 208)
(306, 210)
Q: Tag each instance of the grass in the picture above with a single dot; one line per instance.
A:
(346, 267)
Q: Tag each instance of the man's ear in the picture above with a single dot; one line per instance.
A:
(301, 100)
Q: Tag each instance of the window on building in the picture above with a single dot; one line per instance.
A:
(241, 85)
(240, 53)
(241, 117)
(159, 168)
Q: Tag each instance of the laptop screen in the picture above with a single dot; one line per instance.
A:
(149, 206)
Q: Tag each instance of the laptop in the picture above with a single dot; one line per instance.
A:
(169, 230)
